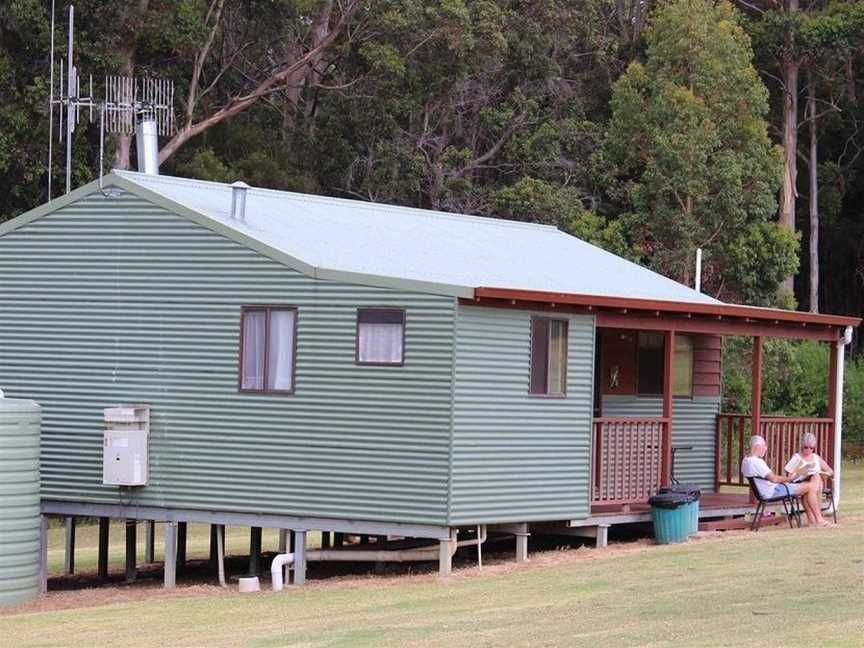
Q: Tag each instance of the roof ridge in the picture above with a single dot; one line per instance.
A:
(362, 204)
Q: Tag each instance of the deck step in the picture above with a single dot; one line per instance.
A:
(741, 523)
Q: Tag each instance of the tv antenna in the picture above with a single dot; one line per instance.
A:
(126, 100)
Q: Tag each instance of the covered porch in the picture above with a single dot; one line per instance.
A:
(657, 410)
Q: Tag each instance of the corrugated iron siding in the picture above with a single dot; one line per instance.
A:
(518, 457)
(20, 518)
(109, 301)
(694, 423)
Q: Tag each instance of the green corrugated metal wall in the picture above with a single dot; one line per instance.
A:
(518, 457)
(105, 302)
(694, 423)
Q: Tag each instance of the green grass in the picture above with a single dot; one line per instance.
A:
(780, 587)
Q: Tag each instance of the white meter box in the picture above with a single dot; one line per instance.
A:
(124, 458)
(124, 448)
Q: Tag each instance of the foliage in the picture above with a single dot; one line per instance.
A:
(601, 117)
(794, 381)
(689, 141)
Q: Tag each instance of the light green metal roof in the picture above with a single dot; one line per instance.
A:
(385, 245)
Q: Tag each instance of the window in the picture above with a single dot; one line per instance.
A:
(380, 336)
(548, 357)
(268, 344)
(682, 377)
(650, 362)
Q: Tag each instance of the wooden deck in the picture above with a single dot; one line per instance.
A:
(711, 505)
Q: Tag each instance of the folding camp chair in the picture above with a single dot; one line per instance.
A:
(788, 500)
(828, 495)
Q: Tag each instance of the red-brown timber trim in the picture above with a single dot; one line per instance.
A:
(668, 383)
(756, 386)
(724, 310)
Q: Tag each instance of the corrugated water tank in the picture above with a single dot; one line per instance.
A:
(20, 520)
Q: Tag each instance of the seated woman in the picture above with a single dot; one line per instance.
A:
(807, 466)
(771, 485)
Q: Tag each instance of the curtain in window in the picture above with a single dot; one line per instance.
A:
(557, 357)
(378, 342)
(252, 371)
(280, 350)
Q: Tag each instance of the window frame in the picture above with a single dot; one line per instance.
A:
(389, 309)
(638, 364)
(566, 322)
(267, 309)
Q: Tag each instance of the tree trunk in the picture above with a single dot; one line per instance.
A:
(814, 196)
(788, 191)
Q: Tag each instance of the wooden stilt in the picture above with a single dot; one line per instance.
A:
(43, 554)
(521, 533)
(170, 579)
(445, 557)
(181, 547)
(69, 563)
(213, 547)
(131, 547)
(104, 528)
(220, 552)
(149, 541)
(299, 557)
(254, 550)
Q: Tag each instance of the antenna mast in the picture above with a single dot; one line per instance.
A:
(125, 98)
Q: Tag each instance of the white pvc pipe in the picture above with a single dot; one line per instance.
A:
(276, 570)
(840, 350)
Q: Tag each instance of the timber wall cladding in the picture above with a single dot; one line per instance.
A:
(706, 365)
(620, 372)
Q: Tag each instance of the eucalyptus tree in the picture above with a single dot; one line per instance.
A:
(689, 143)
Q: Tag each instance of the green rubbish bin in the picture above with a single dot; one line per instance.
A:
(671, 516)
(695, 492)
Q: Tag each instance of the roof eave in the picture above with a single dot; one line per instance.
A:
(734, 311)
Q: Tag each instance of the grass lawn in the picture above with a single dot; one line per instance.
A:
(780, 587)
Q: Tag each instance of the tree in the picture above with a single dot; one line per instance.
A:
(689, 143)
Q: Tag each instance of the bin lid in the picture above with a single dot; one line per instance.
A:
(670, 500)
(687, 489)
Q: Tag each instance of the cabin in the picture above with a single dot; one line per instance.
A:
(319, 364)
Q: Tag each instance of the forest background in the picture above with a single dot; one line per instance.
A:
(648, 127)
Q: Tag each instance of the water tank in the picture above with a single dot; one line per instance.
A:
(20, 520)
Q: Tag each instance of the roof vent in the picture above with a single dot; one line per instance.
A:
(238, 201)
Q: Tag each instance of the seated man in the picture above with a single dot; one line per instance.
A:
(754, 465)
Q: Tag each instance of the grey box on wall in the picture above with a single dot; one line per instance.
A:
(125, 460)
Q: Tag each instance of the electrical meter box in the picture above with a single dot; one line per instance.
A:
(125, 445)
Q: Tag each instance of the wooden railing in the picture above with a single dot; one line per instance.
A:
(627, 463)
(781, 434)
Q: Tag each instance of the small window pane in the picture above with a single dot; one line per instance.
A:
(539, 356)
(683, 366)
(557, 357)
(548, 357)
(380, 336)
(280, 351)
(252, 371)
